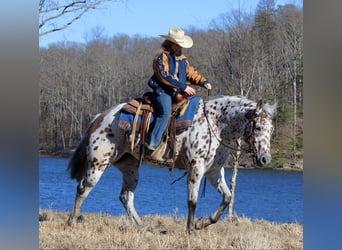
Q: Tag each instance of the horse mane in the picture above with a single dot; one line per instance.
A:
(269, 109)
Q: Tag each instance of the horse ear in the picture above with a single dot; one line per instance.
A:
(274, 108)
(259, 106)
(270, 109)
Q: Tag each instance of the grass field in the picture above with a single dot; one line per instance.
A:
(103, 231)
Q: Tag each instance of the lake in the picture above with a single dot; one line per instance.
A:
(275, 196)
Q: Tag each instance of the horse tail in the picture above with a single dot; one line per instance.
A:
(78, 162)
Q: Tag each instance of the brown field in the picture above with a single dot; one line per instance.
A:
(102, 231)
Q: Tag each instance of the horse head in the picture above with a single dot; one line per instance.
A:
(258, 132)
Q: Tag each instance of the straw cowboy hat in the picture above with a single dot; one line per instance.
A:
(177, 36)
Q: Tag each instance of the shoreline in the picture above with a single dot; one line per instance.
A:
(290, 169)
(44, 215)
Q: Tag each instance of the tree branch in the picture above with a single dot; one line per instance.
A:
(51, 12)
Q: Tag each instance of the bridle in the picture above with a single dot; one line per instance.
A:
(251, 115)
(249, 135)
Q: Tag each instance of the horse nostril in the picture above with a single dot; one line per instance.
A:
(266, 159)
(263, 160)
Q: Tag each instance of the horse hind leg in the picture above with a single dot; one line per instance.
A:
(130, 177)
(82, 192)
(86, 184)
(217, 180)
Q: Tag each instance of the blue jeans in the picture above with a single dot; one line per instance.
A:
(162, 104)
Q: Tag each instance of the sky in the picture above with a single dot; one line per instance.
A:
(149, 17)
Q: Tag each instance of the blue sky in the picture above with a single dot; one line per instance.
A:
(150, 17)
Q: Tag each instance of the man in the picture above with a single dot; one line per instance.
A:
(172, 72)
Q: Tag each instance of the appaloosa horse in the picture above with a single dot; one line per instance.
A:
(202, 150)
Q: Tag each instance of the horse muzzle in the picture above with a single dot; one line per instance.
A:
(263, 160)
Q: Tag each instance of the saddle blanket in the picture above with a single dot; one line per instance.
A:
(182, 122)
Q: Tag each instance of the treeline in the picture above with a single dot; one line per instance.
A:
(257, 55)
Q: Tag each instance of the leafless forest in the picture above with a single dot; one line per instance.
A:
(258, 55)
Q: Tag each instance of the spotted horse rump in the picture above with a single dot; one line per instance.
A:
(202, 150)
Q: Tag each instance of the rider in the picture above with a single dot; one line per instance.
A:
(172, 74)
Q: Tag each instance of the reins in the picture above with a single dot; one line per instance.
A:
(238, 148)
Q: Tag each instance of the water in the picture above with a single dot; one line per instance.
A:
(275, 196)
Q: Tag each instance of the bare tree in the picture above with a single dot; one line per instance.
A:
(52, 11)
(256, 55)
(235, 155)
(290, 37)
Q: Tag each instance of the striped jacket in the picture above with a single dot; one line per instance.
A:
(170, 78)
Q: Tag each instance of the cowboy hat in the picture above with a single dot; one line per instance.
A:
(177, 36)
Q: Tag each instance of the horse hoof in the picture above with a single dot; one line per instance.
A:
(192, 232)
(80, 218)
(202, 223)
(43, 217)
(70, 221)
(199, 224)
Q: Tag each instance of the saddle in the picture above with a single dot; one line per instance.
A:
(144, 104)
(142, 109)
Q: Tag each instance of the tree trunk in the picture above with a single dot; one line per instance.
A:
(294, 114)
(236, 156)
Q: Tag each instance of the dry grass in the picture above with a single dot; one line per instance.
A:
(102, 231)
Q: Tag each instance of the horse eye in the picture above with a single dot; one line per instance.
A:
(258, 128)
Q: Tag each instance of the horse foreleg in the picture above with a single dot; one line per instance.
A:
(84, 187)
(194, 180)
(130, 177)
(218, 182)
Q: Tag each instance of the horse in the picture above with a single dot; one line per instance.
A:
(202, 150)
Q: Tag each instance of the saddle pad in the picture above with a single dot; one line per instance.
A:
(126, 119)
